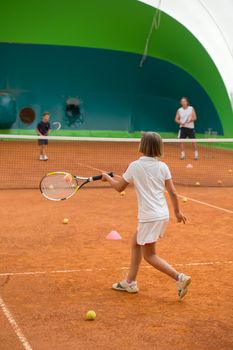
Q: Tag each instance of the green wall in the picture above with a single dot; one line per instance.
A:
(117, 25)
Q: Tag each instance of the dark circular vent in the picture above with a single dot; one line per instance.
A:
(27, 115)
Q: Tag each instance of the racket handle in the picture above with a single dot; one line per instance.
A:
(99, 177)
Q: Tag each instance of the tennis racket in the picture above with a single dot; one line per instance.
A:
(59, 185)
(55, 126)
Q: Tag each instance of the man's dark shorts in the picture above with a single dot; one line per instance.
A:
(185, 133)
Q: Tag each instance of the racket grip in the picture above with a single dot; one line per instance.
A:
(99, 177)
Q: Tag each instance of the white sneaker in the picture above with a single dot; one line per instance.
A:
(182, 284)
(182, 156)
(41, 158)
(196, 155)
(45, 157)
(124, 286)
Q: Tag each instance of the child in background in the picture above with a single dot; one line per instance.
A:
(150, 177)
(43, 129)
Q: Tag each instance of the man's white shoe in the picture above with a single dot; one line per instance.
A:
(41, 158)
(45, 157)
(182, 156)
(124, 286)
(182, 284)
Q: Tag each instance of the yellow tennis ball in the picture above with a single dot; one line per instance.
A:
(184, 199)
(65, 221)
(197, 183)
(122, 193)
(90, 315)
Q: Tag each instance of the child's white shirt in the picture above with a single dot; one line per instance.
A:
(148, 176)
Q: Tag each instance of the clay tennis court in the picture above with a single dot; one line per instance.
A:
(51, 274)
(20, 167)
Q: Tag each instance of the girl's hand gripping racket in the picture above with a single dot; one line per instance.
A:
(59, 185)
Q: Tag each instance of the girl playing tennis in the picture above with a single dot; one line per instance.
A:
(150, 177)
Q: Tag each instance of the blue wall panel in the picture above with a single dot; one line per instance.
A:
(116, 93)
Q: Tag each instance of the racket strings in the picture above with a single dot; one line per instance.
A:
(57, 186)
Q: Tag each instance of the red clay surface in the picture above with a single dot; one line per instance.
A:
(20, 167)
(50, 307)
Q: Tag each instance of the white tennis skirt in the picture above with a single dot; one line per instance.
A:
(150, 232)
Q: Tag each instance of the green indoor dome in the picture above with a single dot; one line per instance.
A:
(91, 51)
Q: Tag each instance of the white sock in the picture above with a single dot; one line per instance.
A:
(179, 277)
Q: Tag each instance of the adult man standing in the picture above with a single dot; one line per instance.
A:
(185, 117)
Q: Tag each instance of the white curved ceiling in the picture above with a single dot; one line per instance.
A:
(211, 22)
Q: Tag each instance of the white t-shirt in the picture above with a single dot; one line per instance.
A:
(148, 175)
(185, 115)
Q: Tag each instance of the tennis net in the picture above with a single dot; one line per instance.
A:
(20, 167)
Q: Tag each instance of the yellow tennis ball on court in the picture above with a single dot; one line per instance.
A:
(197, 183)
(65, 221)
(90, 315)
(185, 199)
(122, 193)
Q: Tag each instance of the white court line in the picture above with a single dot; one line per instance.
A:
(99, 170)
(206, 263)
(14, 325)
(48, 272)
(207, 204)
(179, 195)
(228, 262)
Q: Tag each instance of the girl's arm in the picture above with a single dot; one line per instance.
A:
(174, 199)
(118, 185)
